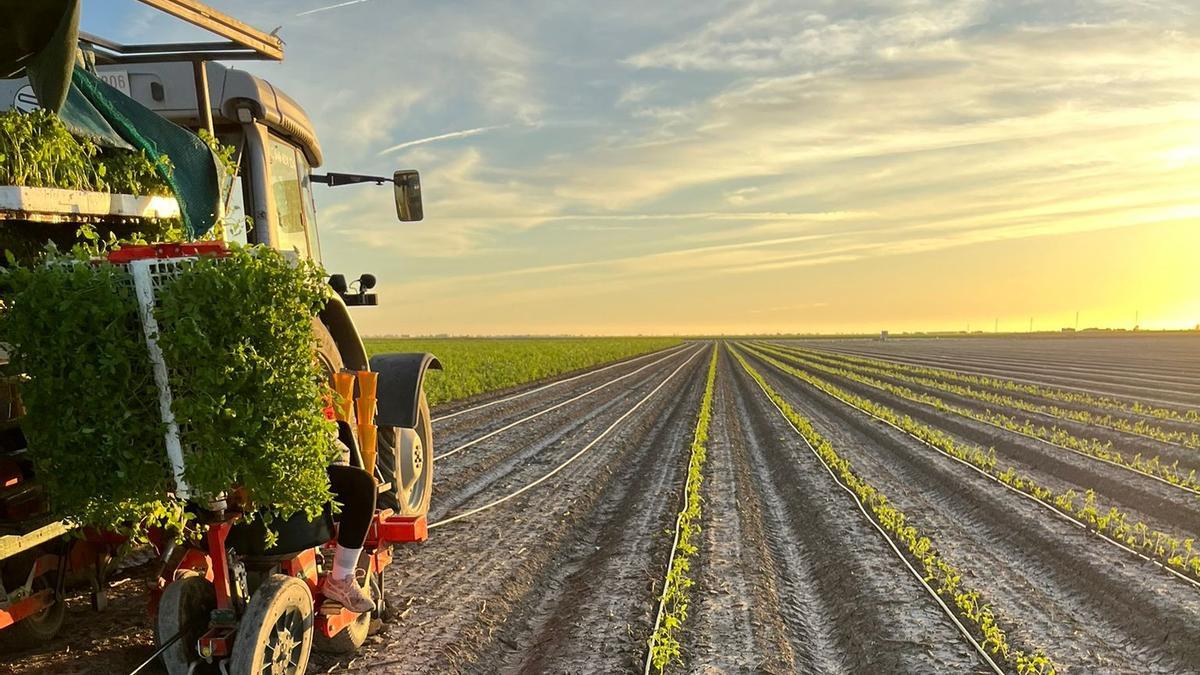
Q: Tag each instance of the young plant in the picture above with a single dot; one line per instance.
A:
(673, 603)
(1112, 524)
(945, 579)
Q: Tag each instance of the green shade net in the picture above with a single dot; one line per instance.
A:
(39, 38)
(195, 176)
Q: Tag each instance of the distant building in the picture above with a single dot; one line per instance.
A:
(883, 335)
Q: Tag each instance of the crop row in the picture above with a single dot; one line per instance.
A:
(673, 603)
(1190, 416)
(477, 365)
(914, 375)
(1179, 554)
(1153, 467)
(945, 578)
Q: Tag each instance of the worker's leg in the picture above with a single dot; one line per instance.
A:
(354, 489)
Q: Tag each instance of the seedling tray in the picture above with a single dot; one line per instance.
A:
(55, 205)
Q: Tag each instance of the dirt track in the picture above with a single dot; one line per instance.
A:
(790, 577)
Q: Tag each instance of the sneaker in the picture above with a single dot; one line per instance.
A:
(348, 594)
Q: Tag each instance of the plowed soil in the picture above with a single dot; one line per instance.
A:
(789, 576)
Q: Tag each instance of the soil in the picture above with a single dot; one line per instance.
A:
(789, 575)
(1092, 606)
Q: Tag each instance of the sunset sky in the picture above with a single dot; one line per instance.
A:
(702, 167)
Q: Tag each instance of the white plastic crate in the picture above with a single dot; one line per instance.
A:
(148, 278)
(150, 267)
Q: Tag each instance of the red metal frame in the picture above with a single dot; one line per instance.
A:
(26, 607)
(213, 561)
(35, 602)
(130, 253)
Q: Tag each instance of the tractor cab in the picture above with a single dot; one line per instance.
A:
(269, 200)
(230, 599)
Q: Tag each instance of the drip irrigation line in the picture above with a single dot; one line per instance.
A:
(662, 599)
(572, 458)
(846, 361)
(552, 408)
(159, 652)
(1039, 439)
(1070, 519)
(983, 372)
(555, 383)
(891, 543)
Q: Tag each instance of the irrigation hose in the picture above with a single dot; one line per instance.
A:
(572, 458)
(982, 371)
(159, 652)
(916, 575)
(845, 362)
(1164, 481)
(662, 598)
(552, 408)
(1074, 521)
(555, 383)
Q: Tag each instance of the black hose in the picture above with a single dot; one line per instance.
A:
(155, 655)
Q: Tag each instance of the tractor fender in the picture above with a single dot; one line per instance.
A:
(399, 389)
(336, 318)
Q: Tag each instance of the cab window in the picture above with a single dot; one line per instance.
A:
(294, 209)
(289, 203)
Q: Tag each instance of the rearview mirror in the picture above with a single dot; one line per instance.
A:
(408, 195)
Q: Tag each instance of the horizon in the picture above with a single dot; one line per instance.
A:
(1065, 332)
(779, 167)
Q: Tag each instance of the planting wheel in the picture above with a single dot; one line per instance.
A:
(275, 635)
(43, 626)
(185, 606)
(406, 460)
(350, 638)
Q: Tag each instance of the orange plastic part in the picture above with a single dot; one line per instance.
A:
(343, 386)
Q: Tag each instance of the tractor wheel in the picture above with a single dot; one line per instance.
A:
(275, 634)
(185, 606)
(43, 626)
(350, 638)
(406, 460)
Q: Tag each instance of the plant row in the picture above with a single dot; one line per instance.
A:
(914, 375)
(1172, 473)
(1189, 416)
(1177, 553)
(945, 578)
(673, 603)
(477, 365)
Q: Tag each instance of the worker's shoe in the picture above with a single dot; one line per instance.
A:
(347, 593)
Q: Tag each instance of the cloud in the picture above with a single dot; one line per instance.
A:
(716, 144)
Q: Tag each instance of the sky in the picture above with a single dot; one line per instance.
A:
(749, 167)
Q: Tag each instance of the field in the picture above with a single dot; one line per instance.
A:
(477, 365)
(1011, 505)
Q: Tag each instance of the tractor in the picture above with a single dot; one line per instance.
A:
(227, 602)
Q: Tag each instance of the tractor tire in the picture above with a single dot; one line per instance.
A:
(351, 637)
(186, 606)
(275, 634)
(405, 459)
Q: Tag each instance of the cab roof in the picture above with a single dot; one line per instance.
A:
(169, 89)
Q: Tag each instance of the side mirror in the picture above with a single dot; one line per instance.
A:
(408, 195)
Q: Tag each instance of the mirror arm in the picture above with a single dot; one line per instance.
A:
(335, 179)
